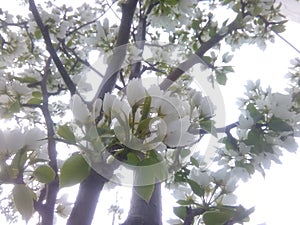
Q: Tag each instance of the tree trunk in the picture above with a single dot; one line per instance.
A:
(87, 200)
(143, 213)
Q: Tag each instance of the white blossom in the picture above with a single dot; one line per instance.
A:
(251, 85)
(79, 109)
(201, 177)
(288, 143)
(64, 207)
(246, 121)
(177, 133)
(19, 88)
(207, 108)
(197, 98)
(180, 192)
(97, 105)
(229, 199)
(108, 101)
(280, 105)
(14, 141)
(106, 24)
(231, 185)
(135, 91)
(34, 138)
(241, 173)
(221, 176)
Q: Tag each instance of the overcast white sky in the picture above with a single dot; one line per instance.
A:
(277, 196)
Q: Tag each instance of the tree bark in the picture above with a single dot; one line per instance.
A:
(90, 188)
(87, 199)
(144, 213)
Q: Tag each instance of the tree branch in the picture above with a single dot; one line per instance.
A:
(87, 200)
(49, 46)
(191, 213)
(110, 77)
(48, 208)
(197, 57)
(142, 212)
(91, 187)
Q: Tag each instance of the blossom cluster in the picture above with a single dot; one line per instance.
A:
(268, 125)
(11, 141)
(145, 118)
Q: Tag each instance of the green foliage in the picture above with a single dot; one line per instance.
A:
(44, 174)
(66, 132)
(196, 188)
(180, 211)
(278, 125)
(145, 192)
(216, 218)
(74, 170)
(23, 199)
(209, 126)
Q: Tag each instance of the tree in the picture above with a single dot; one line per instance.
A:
(127, 125)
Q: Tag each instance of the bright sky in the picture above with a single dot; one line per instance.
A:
(276, 197)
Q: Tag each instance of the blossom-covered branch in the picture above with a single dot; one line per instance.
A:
(49, 46)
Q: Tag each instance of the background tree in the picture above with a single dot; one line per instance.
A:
(151, 130)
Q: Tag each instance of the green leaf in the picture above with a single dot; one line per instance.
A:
(228, 69)
(190, 201)
(257, 10)
(195, 24)
(171, 2)
(17, 164)
(237, 7)
(145, 192)
(208, 125)
(34, 101)
(194, 161)
(143, 127)
(256, 138)
(278, 28)
(196, 188)
(146, 108)
(254, 113)
(278, 125)
(180, 211)
(65, 132)
(38, 34)
(74, 170)
(23, 200)
(36, 94)
(225, 2)
(15, 107)
(44, 174)
(132, 159)
(221, 77)
(216, 218)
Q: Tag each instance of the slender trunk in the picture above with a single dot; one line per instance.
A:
(87, 199)
(143, 213)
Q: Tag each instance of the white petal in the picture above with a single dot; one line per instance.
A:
(229, 199)
(107, 103)
(14, 140)
(96, 108)
(79, 109)
(33, 138)
(135, 91)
